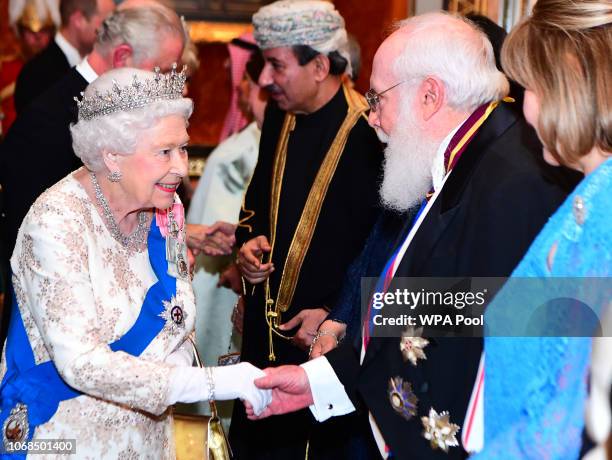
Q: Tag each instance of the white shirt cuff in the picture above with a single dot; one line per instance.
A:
(330, 399)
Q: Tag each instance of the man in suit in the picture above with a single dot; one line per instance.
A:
(75, 38)
(475, 167)
(37, 151)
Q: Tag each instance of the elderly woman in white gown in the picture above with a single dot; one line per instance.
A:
(103, 308)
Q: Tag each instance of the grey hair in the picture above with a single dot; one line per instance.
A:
(457, 52)
(144, 28)
(119, 132)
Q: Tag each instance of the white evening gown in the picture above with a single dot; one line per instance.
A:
(78, 290)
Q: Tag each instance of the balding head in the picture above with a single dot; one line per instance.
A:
(141, 34)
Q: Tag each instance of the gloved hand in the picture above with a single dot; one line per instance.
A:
(236, 381)
(190, 384)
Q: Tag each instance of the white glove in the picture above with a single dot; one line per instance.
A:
(236, 381)
(190, 384)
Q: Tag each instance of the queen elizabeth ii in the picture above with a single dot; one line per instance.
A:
(98, 347)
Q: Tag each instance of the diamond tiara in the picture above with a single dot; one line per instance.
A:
(135, 95)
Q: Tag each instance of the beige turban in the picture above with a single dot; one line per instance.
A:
(315, 23)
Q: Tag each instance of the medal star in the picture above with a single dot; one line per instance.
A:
(412, 345)
(175, 315)
(402, 398)
(439, 431)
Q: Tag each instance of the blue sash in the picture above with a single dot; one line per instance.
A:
(40, 387)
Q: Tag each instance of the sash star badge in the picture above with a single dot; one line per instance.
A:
(439, 431)
(412, 344)
(174, 315)
(402, 399)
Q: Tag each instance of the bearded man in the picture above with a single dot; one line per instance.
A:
(474, 166)
(309, 207)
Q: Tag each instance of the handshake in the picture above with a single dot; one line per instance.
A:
(273, 391)
(213, 240)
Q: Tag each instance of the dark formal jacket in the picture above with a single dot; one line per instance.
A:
(492, 206)
(370, 263)
(39, 74)
(37, 151)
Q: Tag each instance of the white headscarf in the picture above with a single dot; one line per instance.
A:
(315, 23)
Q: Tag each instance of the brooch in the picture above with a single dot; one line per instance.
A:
(16, 427)
(439, 431)
(412, 344)
(402, 398)
(174, 315)
(579, 210)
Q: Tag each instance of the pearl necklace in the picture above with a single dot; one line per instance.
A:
(132, 242)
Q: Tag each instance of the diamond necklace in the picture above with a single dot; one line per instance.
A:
(130, 242)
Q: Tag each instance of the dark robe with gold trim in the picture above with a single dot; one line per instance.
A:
(349, 211)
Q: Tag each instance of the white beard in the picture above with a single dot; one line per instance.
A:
(407, 167)
(382, 136)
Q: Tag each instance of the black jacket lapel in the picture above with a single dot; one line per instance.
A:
(442, 212)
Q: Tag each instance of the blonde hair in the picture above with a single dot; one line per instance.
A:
(563, 53)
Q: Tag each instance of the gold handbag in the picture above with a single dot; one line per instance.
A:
(217, 446)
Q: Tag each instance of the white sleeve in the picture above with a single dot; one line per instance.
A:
(182, 356)
(330, 399)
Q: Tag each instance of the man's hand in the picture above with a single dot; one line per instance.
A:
(327, 343)
(215, 240)
(249, 260)
(230, 278)
(290, 391)
(308, 320)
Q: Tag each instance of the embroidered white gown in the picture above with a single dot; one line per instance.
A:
(79, 290)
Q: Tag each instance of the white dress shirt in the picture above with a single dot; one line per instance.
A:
(72, 54)
(329, 397)
(86, 71)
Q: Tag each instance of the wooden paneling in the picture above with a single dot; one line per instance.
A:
(8, 41)
(210, 89)
(370, 22)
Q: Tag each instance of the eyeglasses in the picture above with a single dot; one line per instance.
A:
(373, 97)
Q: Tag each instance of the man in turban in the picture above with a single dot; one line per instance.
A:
(308, 209)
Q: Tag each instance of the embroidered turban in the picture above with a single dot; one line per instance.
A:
(315, 23)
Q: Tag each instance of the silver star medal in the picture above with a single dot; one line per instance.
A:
(176, 250)
(412, 345)
(439, 431)
(174, 315)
